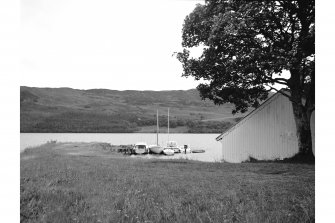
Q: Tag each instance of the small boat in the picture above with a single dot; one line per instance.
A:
(198, 151)
(157, 149)
(168, 151)
(173, 145)
(140, 148)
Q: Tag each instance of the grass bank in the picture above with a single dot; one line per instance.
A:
(88, 182)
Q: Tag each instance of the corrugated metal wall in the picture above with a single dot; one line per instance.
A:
(267, 133)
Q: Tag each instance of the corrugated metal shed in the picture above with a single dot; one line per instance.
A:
(267, 133)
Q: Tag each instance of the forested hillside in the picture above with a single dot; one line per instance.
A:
(102, 110)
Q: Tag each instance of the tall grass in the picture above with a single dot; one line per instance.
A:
(107, 187)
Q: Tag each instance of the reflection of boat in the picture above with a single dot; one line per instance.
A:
(186, 149)
(140, 148)
(156, 148)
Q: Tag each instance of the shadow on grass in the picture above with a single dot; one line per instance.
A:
(298, 158)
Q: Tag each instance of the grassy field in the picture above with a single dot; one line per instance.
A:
(89, 182)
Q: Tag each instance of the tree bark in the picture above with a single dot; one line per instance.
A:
(302, 118)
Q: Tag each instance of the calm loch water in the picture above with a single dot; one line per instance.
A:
(196, 141)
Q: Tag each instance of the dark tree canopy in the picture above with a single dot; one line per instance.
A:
(247, 45)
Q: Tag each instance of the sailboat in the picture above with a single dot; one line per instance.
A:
(171, 147)
(157, 149)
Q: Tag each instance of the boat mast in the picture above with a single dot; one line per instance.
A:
(168, 123)
(157, 130)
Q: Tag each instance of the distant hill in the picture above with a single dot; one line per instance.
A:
(102, 110)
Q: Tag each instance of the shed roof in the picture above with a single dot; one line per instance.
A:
(252, 113)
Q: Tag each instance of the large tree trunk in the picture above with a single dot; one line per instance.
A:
(302, 118)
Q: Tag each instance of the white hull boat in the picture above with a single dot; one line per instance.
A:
(173, 145)
(168, 151)
(140, 148)
(156, 149)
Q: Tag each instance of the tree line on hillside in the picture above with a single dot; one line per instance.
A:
(113, 123)
(207, 127)
(81, 122)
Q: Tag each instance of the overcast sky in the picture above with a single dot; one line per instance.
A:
(103, 44)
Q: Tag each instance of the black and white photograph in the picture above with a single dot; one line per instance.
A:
(167, 111)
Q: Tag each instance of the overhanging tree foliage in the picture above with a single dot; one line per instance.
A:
(246, 47)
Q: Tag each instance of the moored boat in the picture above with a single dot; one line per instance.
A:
(157, 149)
(198, 151)
(140, 148)
(168, 151)
(172, 145)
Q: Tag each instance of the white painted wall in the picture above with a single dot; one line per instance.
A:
(312, 122)
(267, 133)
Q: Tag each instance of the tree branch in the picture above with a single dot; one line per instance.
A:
(277, 80)
(281, 92)
(281, 81)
